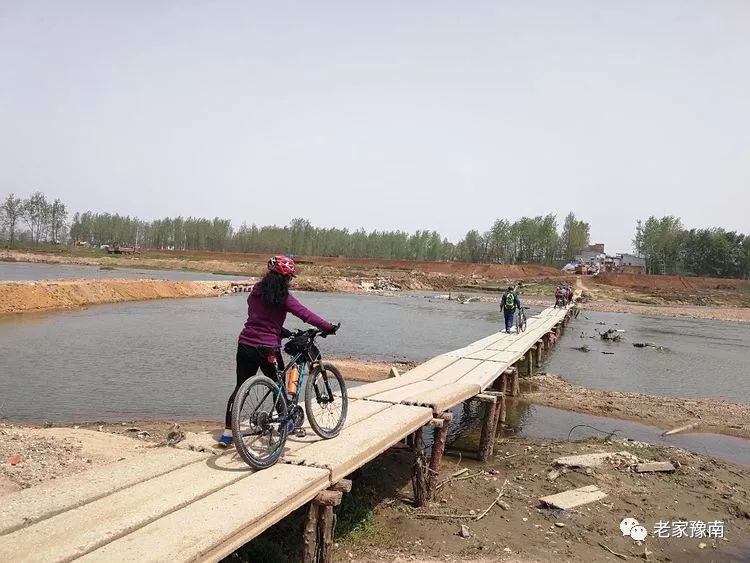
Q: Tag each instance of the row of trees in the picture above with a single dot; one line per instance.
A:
(46, 220)
(528, 240)
(534, 240)
(669, 248)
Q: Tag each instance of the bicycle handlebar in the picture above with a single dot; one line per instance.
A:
(315, 331)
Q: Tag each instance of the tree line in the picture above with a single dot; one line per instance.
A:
(527, 240)
(669, 248)
(46, 221)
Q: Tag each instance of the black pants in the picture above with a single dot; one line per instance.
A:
(249, 359)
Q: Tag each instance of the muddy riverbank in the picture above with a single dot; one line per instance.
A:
(708, 415)
(377, 521)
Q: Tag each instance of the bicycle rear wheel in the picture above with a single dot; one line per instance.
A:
(522, 326)
(326, 400)
(259, 423)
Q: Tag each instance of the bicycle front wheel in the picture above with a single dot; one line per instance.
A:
(259, 425)
(326, 400)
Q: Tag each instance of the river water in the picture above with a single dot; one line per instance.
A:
(175, 358)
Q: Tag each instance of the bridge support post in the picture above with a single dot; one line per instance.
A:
(438, 449)
(539, 350)
(320, 522)
(530, 363)
(419, 470)
(510, 384)
(487, 439)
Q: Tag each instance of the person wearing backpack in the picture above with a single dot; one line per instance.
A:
(509, 302)
(559, 297)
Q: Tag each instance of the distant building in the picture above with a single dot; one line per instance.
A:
(598, 247)
(631, 264)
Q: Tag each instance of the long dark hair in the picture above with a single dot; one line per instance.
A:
(275, 288)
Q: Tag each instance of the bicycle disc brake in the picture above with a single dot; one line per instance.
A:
(297, 416)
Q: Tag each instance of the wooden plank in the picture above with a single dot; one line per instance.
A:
(359, 410)
(454, 372)
(479, 354)
(75, 532)
(45, 500)
(575, 497)
(213, 527)
(484, 374)
(419, 373)
(359, 443)
(443, 398)
(395, 396)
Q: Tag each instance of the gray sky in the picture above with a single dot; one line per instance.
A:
(410, 115)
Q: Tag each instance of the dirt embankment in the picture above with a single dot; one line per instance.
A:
(21, 297)
(610, 292)
(720, 313)
(711, 415)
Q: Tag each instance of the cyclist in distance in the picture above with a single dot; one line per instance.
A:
(510, 301)
(260, 340)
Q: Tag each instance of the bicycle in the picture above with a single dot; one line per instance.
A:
(521, 320)
(265, 411)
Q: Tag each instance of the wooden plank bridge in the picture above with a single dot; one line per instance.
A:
(180, 505)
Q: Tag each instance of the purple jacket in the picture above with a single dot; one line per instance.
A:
(264, 323)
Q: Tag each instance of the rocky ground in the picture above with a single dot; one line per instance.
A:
(378, 522)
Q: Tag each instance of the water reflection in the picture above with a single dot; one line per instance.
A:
(536, 421)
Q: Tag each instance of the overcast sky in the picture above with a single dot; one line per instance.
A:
(382, 115)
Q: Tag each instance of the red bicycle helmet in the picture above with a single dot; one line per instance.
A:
(282, 265)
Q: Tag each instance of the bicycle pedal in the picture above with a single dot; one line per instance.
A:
(300, 432)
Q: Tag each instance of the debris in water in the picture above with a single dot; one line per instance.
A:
(648, 345)
(614, 335)
(583, 348)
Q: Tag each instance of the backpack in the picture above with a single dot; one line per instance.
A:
(510, 300)
(558, 292)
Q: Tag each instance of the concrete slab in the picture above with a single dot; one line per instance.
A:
(484, 374)
(78, 531)
(43, 501)
(395, 396)
(359, 443)
(456, 371)
(214, 526)
(575, 497)
(419, 373)
(443, 398)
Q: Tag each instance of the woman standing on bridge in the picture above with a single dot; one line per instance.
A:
(267, 307)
